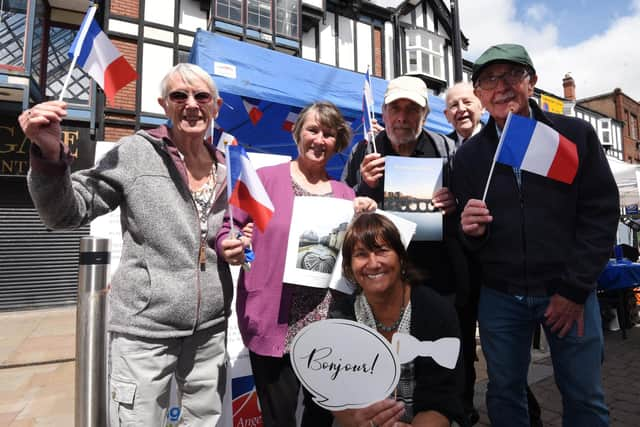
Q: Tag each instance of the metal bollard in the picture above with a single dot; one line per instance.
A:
(91, 360)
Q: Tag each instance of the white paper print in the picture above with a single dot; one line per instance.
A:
(318, 225)
(344, 364)
(314, 250)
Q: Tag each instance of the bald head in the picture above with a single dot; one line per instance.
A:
(463, 108)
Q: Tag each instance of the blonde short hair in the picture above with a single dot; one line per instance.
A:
(189, 73)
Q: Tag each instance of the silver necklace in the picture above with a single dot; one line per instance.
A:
(394, 326)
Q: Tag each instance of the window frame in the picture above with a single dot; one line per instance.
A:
(433, 56)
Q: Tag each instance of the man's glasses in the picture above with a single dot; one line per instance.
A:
(511, 77)
(180, 97)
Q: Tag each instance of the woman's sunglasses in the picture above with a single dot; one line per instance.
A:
(180, 97)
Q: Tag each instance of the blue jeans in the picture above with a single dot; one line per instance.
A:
(506, 328)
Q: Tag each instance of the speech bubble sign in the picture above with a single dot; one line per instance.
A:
(344, 364)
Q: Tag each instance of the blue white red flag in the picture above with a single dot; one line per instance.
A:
(253, 109)
(216, 136)
(291, 118)
(225, 139)
(245, 190)
(99, 58)
(367, 107)
(535, 147)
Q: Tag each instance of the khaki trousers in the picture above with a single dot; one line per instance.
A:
(141, 371)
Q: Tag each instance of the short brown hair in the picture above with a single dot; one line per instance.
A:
(374, 230)
(329, 116)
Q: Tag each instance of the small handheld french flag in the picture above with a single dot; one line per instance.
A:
(245, 188)
(535, 147)
(97, 56)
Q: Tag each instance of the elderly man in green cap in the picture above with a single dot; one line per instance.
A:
(541, 245)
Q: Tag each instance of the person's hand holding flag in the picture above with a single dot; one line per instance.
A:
(244, 191)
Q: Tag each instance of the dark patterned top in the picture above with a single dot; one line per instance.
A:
(308, 304)
(407, 383)
(203, 199)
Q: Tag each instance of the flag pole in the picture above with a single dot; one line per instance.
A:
(233, 231)
(213, 132)
(495, 156)
(370, 112)
(83, 34)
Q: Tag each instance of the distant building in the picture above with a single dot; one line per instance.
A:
(39, 268)
(609, 129)
(626, 110)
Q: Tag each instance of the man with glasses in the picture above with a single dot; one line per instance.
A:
(463, 111)
(541, 245)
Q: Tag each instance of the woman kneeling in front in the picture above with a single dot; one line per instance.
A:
(391, 298)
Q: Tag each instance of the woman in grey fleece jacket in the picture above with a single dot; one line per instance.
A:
(168, 307)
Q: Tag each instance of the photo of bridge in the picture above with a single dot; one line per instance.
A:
(396, 201)
(408, 189)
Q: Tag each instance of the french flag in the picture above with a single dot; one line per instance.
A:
(215, 137)
(245, 188)
(291, 118)
(535, 147)
(99, 58)
(225, 139)
(251, 105)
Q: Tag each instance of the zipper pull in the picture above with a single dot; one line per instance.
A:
(203, 257)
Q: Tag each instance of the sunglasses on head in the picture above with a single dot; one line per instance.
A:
(181, 97)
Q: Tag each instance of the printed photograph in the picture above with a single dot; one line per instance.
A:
(408, 188)
(318, 252)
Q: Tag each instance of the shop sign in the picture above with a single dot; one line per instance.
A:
(14, 146)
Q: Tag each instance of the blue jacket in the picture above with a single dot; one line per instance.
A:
(546, 237)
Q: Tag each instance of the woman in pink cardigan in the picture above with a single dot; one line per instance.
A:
(270, 312)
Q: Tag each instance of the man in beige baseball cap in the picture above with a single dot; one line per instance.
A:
(408, 87)
(404, 112)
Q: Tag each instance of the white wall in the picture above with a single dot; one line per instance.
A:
(160, 12)
(365, 48)
(388, 50)
(327, 40)
(346, 51)
(156, 62)
(309, 50)
(191, 17)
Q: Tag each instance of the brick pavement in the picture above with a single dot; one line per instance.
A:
(37, 370)
(621, 381)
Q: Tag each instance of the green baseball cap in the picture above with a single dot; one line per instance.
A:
(502, 53)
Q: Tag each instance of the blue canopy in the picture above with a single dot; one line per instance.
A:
(263, 90)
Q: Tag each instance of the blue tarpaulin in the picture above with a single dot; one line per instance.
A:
(261, 88)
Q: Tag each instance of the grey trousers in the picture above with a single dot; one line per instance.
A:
(141, 371)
